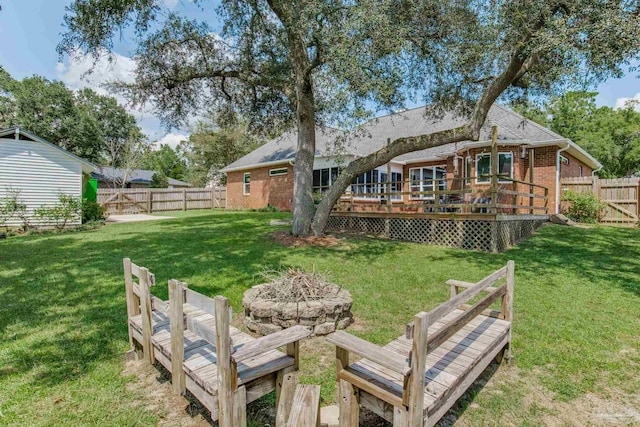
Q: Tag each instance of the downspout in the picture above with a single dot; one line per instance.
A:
(558, 189)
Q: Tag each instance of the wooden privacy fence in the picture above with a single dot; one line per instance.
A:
(149, 200)
(620, 194)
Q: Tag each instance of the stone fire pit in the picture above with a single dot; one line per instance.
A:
(322, 315)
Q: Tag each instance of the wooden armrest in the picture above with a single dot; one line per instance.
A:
(387, 358)
(461, 284)
(270, 342)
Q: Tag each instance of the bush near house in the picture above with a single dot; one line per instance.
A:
(67, 209)
(584, 207)
(92, 211)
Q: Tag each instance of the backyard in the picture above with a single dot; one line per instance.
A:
(63, 332)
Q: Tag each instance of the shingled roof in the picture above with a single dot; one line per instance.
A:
(373, 135)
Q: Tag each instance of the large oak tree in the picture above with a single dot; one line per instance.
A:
(301, 61)
(279, 63)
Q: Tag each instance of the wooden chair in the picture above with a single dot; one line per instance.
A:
(414, 380)
(190, 335)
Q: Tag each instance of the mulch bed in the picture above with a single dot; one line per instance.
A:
(286, 239)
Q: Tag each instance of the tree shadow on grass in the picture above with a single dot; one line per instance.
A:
(63, 295)
(601, 254)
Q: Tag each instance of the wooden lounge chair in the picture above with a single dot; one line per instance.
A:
(190, 336)
(414, 380)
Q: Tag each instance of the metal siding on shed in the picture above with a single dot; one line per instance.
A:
(39, 172)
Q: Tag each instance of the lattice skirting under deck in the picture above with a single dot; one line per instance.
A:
(488, 235)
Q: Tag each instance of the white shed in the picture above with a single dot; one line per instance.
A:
(39, 170)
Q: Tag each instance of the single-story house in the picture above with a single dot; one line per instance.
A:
(38, 170)
(265, 176)
(109, 177)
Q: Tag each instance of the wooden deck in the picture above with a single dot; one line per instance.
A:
(447, 367)
(200, 357)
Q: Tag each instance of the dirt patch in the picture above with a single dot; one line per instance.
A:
(153, 388)
(286, 239)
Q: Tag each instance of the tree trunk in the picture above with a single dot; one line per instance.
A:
(303, 207)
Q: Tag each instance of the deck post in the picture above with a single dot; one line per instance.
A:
(418, 366)
(145, 308)
(494, 169)
(531, 189)
(227, 370)
(176, 323)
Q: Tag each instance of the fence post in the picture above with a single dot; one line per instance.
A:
(184, 199)
(148, 200)
(515, 197)
(494, 169)
(213, 197)
(120, 203)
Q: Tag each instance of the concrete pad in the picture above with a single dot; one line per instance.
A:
(329, 416)
(136, 218)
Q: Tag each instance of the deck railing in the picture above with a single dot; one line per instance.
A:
(485, 194)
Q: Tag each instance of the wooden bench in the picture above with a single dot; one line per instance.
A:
(414, 380)
(190, 335)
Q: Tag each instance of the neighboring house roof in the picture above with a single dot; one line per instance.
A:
(373, 135)
(136, 176)
(18, 132)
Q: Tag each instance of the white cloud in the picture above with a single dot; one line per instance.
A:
(173, 139)
(622, 102)
(84, 71)
(171, 4)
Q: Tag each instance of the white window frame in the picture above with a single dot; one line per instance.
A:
(278, 171)
(506, 181)
(423, 185)
(480, 180)
(246, 186)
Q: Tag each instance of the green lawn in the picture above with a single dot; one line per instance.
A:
(63, 330)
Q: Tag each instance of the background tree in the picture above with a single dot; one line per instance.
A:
(165, 160)
(159, 180)
(84, 123)
(211, 147)
(279, 63)
(611, 135)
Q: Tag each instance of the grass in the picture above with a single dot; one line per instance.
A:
(63, 318)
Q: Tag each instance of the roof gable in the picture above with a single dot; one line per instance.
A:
(22, 134)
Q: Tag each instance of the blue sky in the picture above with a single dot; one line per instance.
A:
(30, 31)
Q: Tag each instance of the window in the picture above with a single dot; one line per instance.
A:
(324, 178)
(483, 167)
(580, 170)
(427, 179)
(505, 166)
(371, 184)
(246, 184)
(277, 172)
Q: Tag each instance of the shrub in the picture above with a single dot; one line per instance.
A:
(92, 211)
(159, 180)
(584, 207)
(67, 209)
(12, 206)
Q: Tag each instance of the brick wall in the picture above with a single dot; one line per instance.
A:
(572, 169)
(264, 189)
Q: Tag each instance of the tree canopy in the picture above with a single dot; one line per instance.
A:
(165, 160)
(210, 147)
(611, 135)
(283, 62)
(84, 123)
